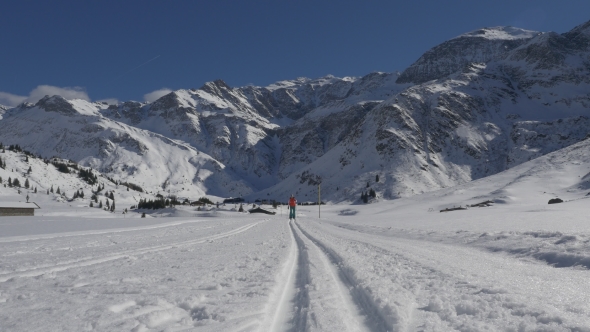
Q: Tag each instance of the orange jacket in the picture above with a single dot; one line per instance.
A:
(292, 201)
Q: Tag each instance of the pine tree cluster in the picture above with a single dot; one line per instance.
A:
(205, 200)
(366, 195)
(153, 205)
(88, 176)
(15, 148)
(61, 167)
(13, 183)
(132, 186)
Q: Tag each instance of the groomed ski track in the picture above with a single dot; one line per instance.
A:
(404, 284)
(268, 274)
(314, 293)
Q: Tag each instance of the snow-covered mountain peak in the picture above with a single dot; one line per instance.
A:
(583, 28)
(500, 33)
(175, 99)
(56, 104)
(480, 46)
(3, 110)
(63, 106)
(215, 87)
(288, 83)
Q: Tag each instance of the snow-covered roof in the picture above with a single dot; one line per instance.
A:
(20, 205)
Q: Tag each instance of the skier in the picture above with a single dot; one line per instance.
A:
(292, 204)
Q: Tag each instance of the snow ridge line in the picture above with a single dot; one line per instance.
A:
(361, 298)
(37, 271)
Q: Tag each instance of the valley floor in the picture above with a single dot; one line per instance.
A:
(358, 268)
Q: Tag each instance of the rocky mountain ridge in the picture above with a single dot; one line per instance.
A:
(470, 107)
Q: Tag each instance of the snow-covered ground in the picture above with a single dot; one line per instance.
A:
(518, 264)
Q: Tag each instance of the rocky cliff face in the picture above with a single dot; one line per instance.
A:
(473, 106)
(480, 46)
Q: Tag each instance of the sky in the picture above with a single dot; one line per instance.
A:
(139, 50)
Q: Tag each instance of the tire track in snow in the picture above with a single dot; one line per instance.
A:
(37, 271)
(359, 298)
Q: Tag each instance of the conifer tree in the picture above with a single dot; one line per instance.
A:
(100, 204)
(47, 191)
(29, 170)
(58, 191)
(108, 206)
(16, 183)
(91, 204)
(9, 182)
(377, 178)
(27, 183)
(35, 190)
(52, 189)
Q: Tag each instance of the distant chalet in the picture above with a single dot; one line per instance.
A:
(17, 209)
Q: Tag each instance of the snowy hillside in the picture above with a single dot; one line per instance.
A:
(76, 130)
(471, 107)
(514, 263)
(55, 191)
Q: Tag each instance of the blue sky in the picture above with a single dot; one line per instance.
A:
(129, 50)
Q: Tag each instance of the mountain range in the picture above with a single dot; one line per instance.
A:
(473, 106)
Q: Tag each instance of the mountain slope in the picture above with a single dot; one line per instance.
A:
(480, 46)
(76, 130)
(471, 107)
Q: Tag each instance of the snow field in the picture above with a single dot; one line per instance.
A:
(431, 286)
(363, 270)
(180, 277)
(516, 265)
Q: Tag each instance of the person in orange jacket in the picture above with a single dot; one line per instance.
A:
(292, 205)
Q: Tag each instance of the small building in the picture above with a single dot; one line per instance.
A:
(17, 209)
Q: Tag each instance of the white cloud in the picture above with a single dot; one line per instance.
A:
(154, 95)
(8, 99)
(41, 91)
(110, 101)
(67, 92)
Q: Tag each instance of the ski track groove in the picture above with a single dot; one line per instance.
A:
(362, 300)
(302, 281)
(285, 289)
(37, 271)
